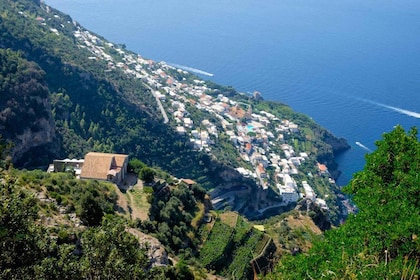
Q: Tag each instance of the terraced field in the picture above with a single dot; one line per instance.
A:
(233, 241)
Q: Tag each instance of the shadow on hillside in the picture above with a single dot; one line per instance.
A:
(129, 182)
(120, 209)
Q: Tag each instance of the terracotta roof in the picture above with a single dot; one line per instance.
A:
(322, 167)
(188, 181)
(261, 168)
(119, 158)
(98, 165)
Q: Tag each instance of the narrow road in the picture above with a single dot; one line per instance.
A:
(261, 211)
(165, 116)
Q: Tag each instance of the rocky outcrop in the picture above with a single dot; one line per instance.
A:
(35, 138)
(25, 112)
(319, 217)
(30, 138)
(156, 252)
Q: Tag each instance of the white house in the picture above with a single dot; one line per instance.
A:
(309, 192)
(289, 195)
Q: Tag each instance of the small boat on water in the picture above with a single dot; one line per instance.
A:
(363, 146)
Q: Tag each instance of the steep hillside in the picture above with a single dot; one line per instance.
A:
(381, 240)
(102, 97)
(93, 109)
(57, 227)
(25, 111)
(54, 226)
(66, 91)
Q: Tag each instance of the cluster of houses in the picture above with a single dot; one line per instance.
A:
(259, 137)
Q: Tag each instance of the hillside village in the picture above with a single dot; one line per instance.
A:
(91, 218)
(259, 146)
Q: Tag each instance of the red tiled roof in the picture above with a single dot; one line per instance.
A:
(99, 165)
(261, 168)
(188, 181)
(322, 167)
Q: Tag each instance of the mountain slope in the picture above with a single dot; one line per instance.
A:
(381, 240)
(54, 226)
(25, 99)
(93, 109)
(105, 98)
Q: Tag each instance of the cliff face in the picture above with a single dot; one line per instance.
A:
(327, 154)
(31, 145)
(25, 112)
(97, 106)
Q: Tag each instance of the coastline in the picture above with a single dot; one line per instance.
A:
(285, 154)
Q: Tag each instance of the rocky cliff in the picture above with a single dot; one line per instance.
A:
(25, 112)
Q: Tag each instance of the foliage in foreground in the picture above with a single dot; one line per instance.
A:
(31, 250)
(382, 240)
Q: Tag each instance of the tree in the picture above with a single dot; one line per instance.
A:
(147, 174)
(135, 165)
(387, 191)
(110, 252)
(22, 242)
(182, 271)
(382, 240)
(29, 250)
(90, 212)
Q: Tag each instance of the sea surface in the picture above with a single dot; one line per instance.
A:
(351, 65)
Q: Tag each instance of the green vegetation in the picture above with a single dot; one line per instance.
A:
(90, 109)
(172, 210)
(140, 197)
(24, 92)
(91, 200)
(381, 240)
(231, 245)
(217, 243)
(377, 242)
(33, 249)
(54, 226)
(90, 105)
(240, 266)
(57, 227)
(147, 174)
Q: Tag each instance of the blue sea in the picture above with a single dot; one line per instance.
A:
(353, 66)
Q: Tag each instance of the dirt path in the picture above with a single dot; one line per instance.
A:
(136, 197)
(122, 203)
(132, 201)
